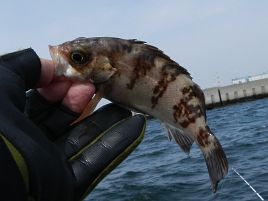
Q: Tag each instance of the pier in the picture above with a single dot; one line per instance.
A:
(240, 91)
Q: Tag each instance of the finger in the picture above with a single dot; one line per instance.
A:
(57, 120)
(49, 86)
(88, 130)
(94, 162)
(78, 96)
(47, 72)
(75, 95)
(55, 91)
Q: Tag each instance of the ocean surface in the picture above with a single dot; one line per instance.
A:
(158, 170)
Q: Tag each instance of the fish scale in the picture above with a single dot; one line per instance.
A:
(141, 77)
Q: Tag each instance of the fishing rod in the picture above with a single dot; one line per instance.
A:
(248, 184)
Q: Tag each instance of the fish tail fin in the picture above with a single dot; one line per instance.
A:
(216, 162)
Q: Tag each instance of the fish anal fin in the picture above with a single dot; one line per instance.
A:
(89, 108)
(185, 142)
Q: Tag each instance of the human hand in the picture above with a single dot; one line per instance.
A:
(93, 147)
(56, 160)
(74, 96)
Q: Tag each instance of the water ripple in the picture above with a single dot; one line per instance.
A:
(158, 170)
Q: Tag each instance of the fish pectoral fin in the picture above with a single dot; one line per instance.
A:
(184, 141)
(89, 108)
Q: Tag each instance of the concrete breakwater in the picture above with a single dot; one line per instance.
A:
(220, 96)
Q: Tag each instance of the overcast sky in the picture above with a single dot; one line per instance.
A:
(215, 40)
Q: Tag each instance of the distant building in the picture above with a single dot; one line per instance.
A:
(249, 78)
(242, 89)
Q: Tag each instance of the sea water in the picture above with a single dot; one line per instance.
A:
(158, 170)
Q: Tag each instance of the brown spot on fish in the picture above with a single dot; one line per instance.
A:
(127, 48)
(167, 76)
(200, 95)
(189, 93)
(142, 64)
(185, 113)
(182, 114)
(202, 138)
(186, 90)
(186, 123)
(113, 53)
(145, 61)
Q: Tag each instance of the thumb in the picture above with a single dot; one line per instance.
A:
(78, 96)
(47, 72)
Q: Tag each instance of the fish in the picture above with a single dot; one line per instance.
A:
(142, 77)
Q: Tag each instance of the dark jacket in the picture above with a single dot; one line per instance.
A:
(27, 159)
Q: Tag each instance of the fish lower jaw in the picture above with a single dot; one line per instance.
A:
(70, 73)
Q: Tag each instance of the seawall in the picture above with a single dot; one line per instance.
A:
(220, 96)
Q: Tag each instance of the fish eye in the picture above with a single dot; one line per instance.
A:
(79, 57)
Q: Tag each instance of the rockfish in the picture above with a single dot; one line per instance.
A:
(141, 77)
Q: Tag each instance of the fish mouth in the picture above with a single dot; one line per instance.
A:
(53, 50)
(61, 65)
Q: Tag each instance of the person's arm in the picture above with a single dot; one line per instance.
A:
(42, 156)
(40, 164)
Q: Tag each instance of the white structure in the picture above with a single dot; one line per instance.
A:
(252, 89)
(249, 78)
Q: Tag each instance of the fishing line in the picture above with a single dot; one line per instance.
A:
(248, 184)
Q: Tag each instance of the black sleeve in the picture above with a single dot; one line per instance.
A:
(19, 71)
(48, 173)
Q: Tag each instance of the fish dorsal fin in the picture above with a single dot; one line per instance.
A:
(152, 50)
(184, 141)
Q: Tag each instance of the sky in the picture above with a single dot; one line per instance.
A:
(215, 41)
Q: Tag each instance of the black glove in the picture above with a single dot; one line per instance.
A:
(41, 156)
(93, 147)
